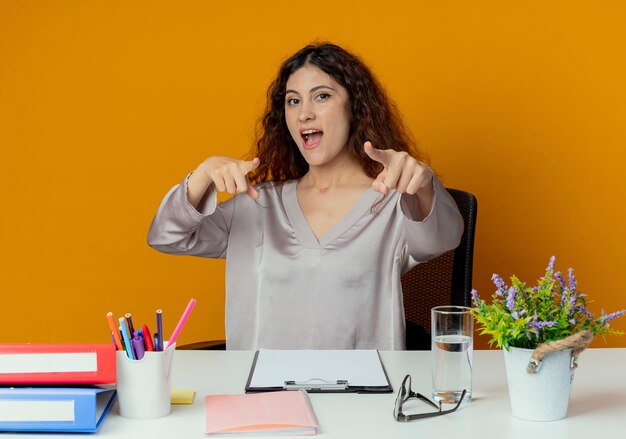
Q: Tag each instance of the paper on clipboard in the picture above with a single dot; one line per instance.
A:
(360, 368)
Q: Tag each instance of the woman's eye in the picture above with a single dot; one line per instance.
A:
(322, 96)
(293, 101)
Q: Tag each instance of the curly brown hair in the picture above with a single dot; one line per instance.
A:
(374, 116)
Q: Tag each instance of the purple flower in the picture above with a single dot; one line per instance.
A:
(565, 296)
(475, 297)
(560, 278)
(535, 325)
(572, 279)
(540, 325)
(551, 264)
(499, 283)
(511, 296)
(572, 299)
(582, 309)
(614, 315)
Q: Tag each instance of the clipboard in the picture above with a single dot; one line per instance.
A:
(318, 371)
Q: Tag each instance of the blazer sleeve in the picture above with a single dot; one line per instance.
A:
(439, 232)
(179, 229)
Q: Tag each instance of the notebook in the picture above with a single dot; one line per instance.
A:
(283, 413)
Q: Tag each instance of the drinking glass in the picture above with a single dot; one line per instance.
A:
(452, 350)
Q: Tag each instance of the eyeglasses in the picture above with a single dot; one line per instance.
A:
(405, 393)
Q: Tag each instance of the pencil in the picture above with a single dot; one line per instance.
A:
(116, 337)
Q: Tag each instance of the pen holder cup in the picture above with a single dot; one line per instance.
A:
(144, 386)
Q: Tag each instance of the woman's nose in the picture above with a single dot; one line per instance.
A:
(306, 113)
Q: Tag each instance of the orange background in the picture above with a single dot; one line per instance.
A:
(105, 105)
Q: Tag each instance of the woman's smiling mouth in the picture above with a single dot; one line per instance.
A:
(311, 138)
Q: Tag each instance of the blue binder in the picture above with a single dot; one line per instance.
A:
(71, 409)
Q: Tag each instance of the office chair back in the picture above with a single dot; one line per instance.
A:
(445, 280)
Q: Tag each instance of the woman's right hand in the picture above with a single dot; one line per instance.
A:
(228, 174)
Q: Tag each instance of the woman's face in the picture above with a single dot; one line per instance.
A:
(317, 113)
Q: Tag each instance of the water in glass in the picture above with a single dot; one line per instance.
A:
(452, 367)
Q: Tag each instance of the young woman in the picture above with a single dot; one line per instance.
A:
(331, 208)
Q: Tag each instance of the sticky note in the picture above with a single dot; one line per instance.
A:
(182, 395)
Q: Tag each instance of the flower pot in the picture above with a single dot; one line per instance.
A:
(543, 396)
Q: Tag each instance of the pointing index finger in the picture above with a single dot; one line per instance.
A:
(251, 165)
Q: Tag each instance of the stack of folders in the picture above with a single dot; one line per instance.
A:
(282, 413)
(48, 388)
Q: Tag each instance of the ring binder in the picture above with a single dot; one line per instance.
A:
(316, 384)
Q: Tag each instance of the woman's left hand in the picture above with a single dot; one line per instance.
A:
(400, 172)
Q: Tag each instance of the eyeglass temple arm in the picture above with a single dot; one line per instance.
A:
(457, 404)
(423, 398)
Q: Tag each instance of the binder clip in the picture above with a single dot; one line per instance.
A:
(316, 384)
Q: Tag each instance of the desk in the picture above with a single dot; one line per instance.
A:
(597, 407)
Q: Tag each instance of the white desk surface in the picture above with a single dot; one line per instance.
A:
(597, 405)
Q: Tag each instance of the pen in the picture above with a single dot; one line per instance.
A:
(116, 337)
(147, 338)
(126, 336)
(138, 345)
(181, 322)
(159, 334)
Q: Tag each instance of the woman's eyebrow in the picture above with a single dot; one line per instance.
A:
(313, 90)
